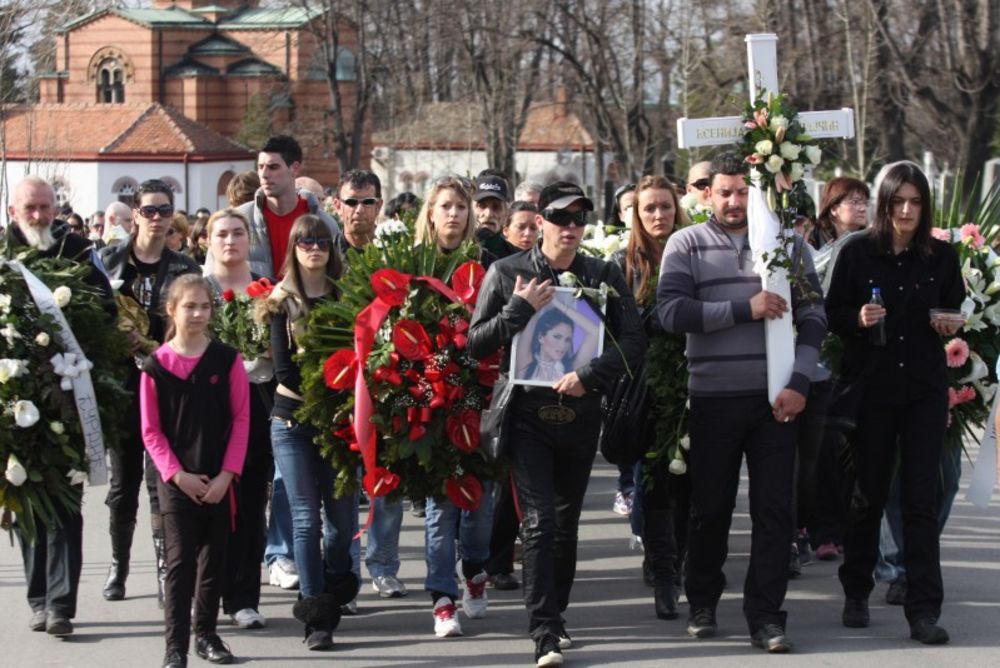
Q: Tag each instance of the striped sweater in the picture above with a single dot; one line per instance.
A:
(704, 291)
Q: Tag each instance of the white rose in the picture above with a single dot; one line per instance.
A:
(62, 295)
(789, 151)
(813, 154)
(12, 369)
(689, 201)
(678, 467)
(797, 171)
(15, 474)
(778, 123)
(567, 279)
(774, 164)
(42, 339)
(25, 414)
(4, 304)
(764, 147)
(685, 442)
(76, 477)
(57, 427)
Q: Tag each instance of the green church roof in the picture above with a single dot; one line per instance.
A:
(259, 18)
(217, 45)
(154, 18)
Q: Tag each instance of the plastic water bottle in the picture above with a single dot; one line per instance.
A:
(877, 331)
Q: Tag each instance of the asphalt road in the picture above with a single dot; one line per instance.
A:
(611, 617)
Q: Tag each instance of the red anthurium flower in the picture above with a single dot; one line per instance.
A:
(465, 492)
(228, 295)
(489, 369)
(411, 340)
(463, 429)
(380, 481)
(467, 280)
(397, 423)
(391, 286)
(340, 369)
(260, 288)
(417, 431)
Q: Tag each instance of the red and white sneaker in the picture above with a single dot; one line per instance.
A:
(474, 599)
(446, 619)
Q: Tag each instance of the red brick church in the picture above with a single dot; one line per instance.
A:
(209, 60)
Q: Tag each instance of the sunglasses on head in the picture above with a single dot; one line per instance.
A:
(565, 218)
(321, 243)
(148, 211)
(354, 201)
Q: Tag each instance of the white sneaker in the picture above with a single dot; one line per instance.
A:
(350, 608)
(446, 619)
(282, 573)
(248, 618)
(388, 586)
(474, 599)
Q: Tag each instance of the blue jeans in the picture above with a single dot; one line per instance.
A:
(279, 524)
(382, 551)
(473, 528)
(309, 485)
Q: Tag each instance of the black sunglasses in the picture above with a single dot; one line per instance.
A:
(353, 201)
(148, 211)
(701, 184)
(565, 218)
(306, 243)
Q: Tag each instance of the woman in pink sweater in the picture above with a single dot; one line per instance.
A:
(195, 420)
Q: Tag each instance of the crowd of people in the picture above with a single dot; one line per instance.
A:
(234, 479)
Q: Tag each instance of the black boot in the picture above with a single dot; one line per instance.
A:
(161, 567)
(121, 547)
(665, 601)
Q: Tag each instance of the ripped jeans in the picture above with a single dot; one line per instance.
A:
(551, 466)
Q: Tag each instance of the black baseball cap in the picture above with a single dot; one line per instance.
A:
(561, 194)
(491, 186)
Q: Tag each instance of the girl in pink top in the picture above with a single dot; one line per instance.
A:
(195, 420)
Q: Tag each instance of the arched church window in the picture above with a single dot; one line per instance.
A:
(111, 82)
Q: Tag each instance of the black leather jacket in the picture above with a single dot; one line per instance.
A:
(172, 265)
(499, 315)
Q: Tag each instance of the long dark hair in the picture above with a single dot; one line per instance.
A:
(881, 230)
(642, 256)
(546, 322)
(309, 225)
(835, 192)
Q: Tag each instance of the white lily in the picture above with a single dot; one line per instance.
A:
(12, 369)
(25, 413)
(15, 473)
(979, 369)
(10, 333)
(986, 390)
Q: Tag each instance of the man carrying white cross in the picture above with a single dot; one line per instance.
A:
(708, 289)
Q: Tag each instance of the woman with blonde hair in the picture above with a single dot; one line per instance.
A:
(445, 218)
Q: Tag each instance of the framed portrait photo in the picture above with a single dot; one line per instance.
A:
(561, 337)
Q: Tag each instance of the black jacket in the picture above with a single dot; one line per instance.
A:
(499, 315)
(172, 265)
(912, 363)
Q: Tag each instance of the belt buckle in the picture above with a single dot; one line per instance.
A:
(556, 413)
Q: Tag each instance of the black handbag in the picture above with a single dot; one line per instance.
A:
(624, 413)
(493, 421)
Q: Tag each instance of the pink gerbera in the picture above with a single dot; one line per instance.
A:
(941, 234)
(972, 236)
(957, 353)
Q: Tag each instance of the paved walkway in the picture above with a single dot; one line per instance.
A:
(611, 617)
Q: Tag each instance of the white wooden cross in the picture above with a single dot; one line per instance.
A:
(762, 57)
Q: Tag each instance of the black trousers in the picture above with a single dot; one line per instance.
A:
(52, 564)
(833, 492)
(812, 422)
(504, 534)
(245, 553)
(129, 465)
(195, 541)
(915, 432)
(551, 466)
(722, 430)
(658, 507)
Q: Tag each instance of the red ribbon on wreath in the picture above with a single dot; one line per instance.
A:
(391, 289)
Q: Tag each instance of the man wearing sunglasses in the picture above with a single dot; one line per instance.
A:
(553, 430)
(358, 202)
(146, 267)
(698, 182)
